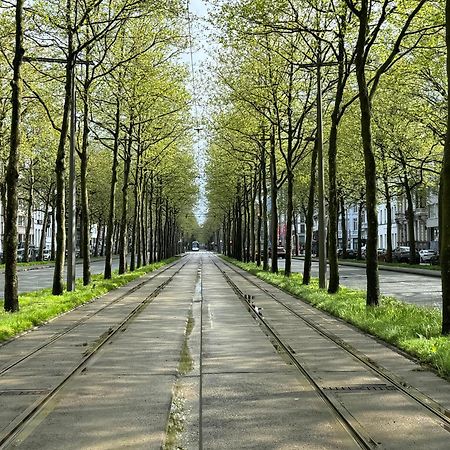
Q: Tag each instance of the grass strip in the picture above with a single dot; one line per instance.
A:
(40, 306)
(413, 329)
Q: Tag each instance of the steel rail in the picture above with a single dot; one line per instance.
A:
(422, 399)
(362, 440)
(12, 430)
(79, 322)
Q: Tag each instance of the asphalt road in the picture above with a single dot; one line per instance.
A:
(42, 277)
(420, 290)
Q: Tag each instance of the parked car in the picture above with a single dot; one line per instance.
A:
(402, 254)
(435, 259)
(381, 254)
(426, 255)
(46, 254)
(281, 252)
(32, 253)
(350, 253)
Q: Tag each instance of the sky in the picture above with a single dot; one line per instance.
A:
(199, 13)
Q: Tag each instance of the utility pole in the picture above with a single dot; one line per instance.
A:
(318, 64)
(322, 231)
(71, 235)
(72, 191)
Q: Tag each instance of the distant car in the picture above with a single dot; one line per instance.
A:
(31, 254)
(281, 252)
(426, 255)
(435, 259)
(381, 254)
(349, 254)
(46, 254)
(401, 254)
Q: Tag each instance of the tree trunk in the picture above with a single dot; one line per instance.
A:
(259, 224)
(244, 234)
(238, 213)
(123, 238)
(265, 249)
(289, 214)
(142, 253)
(85, 215)
(229, 234)
(29, 216)
(11, 299)
(112, 196)
(344, 228)
(310, 219)
(252, 219)
(274, 209)
(373, 289)
(333, 283)
(60, 163)
(360, 218)
(99, 233)
(444, 200)
(44, 229)
(135, 215)
(150, 220)
(102, 248)
(410, 219)
(247, 211)
(53, 244)
(389, 221)
(295, 230)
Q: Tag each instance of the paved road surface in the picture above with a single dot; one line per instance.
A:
(41, 278)
(418, 289)
(412, 288)
(92, 379)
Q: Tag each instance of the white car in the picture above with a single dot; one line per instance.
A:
(426, 255)
(46, 254)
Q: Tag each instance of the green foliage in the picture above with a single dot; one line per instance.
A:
(411, 328)
(41, 306)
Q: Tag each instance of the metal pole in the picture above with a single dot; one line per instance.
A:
(322, 232)
(71, 235)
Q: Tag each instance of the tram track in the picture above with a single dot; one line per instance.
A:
(8, 434)
(57, 336)
(359, 435)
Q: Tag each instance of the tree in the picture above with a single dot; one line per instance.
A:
(444, 200)
(367, 36)
(10, 243)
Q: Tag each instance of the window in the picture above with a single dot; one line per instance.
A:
(355, 224)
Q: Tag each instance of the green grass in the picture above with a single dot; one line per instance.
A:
(394, 264)
(41, 306)
(413, 329)
(30, 264)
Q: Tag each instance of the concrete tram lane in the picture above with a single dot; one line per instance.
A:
(195, 370)
(251, 397)
(378, 408)
(112, 398)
